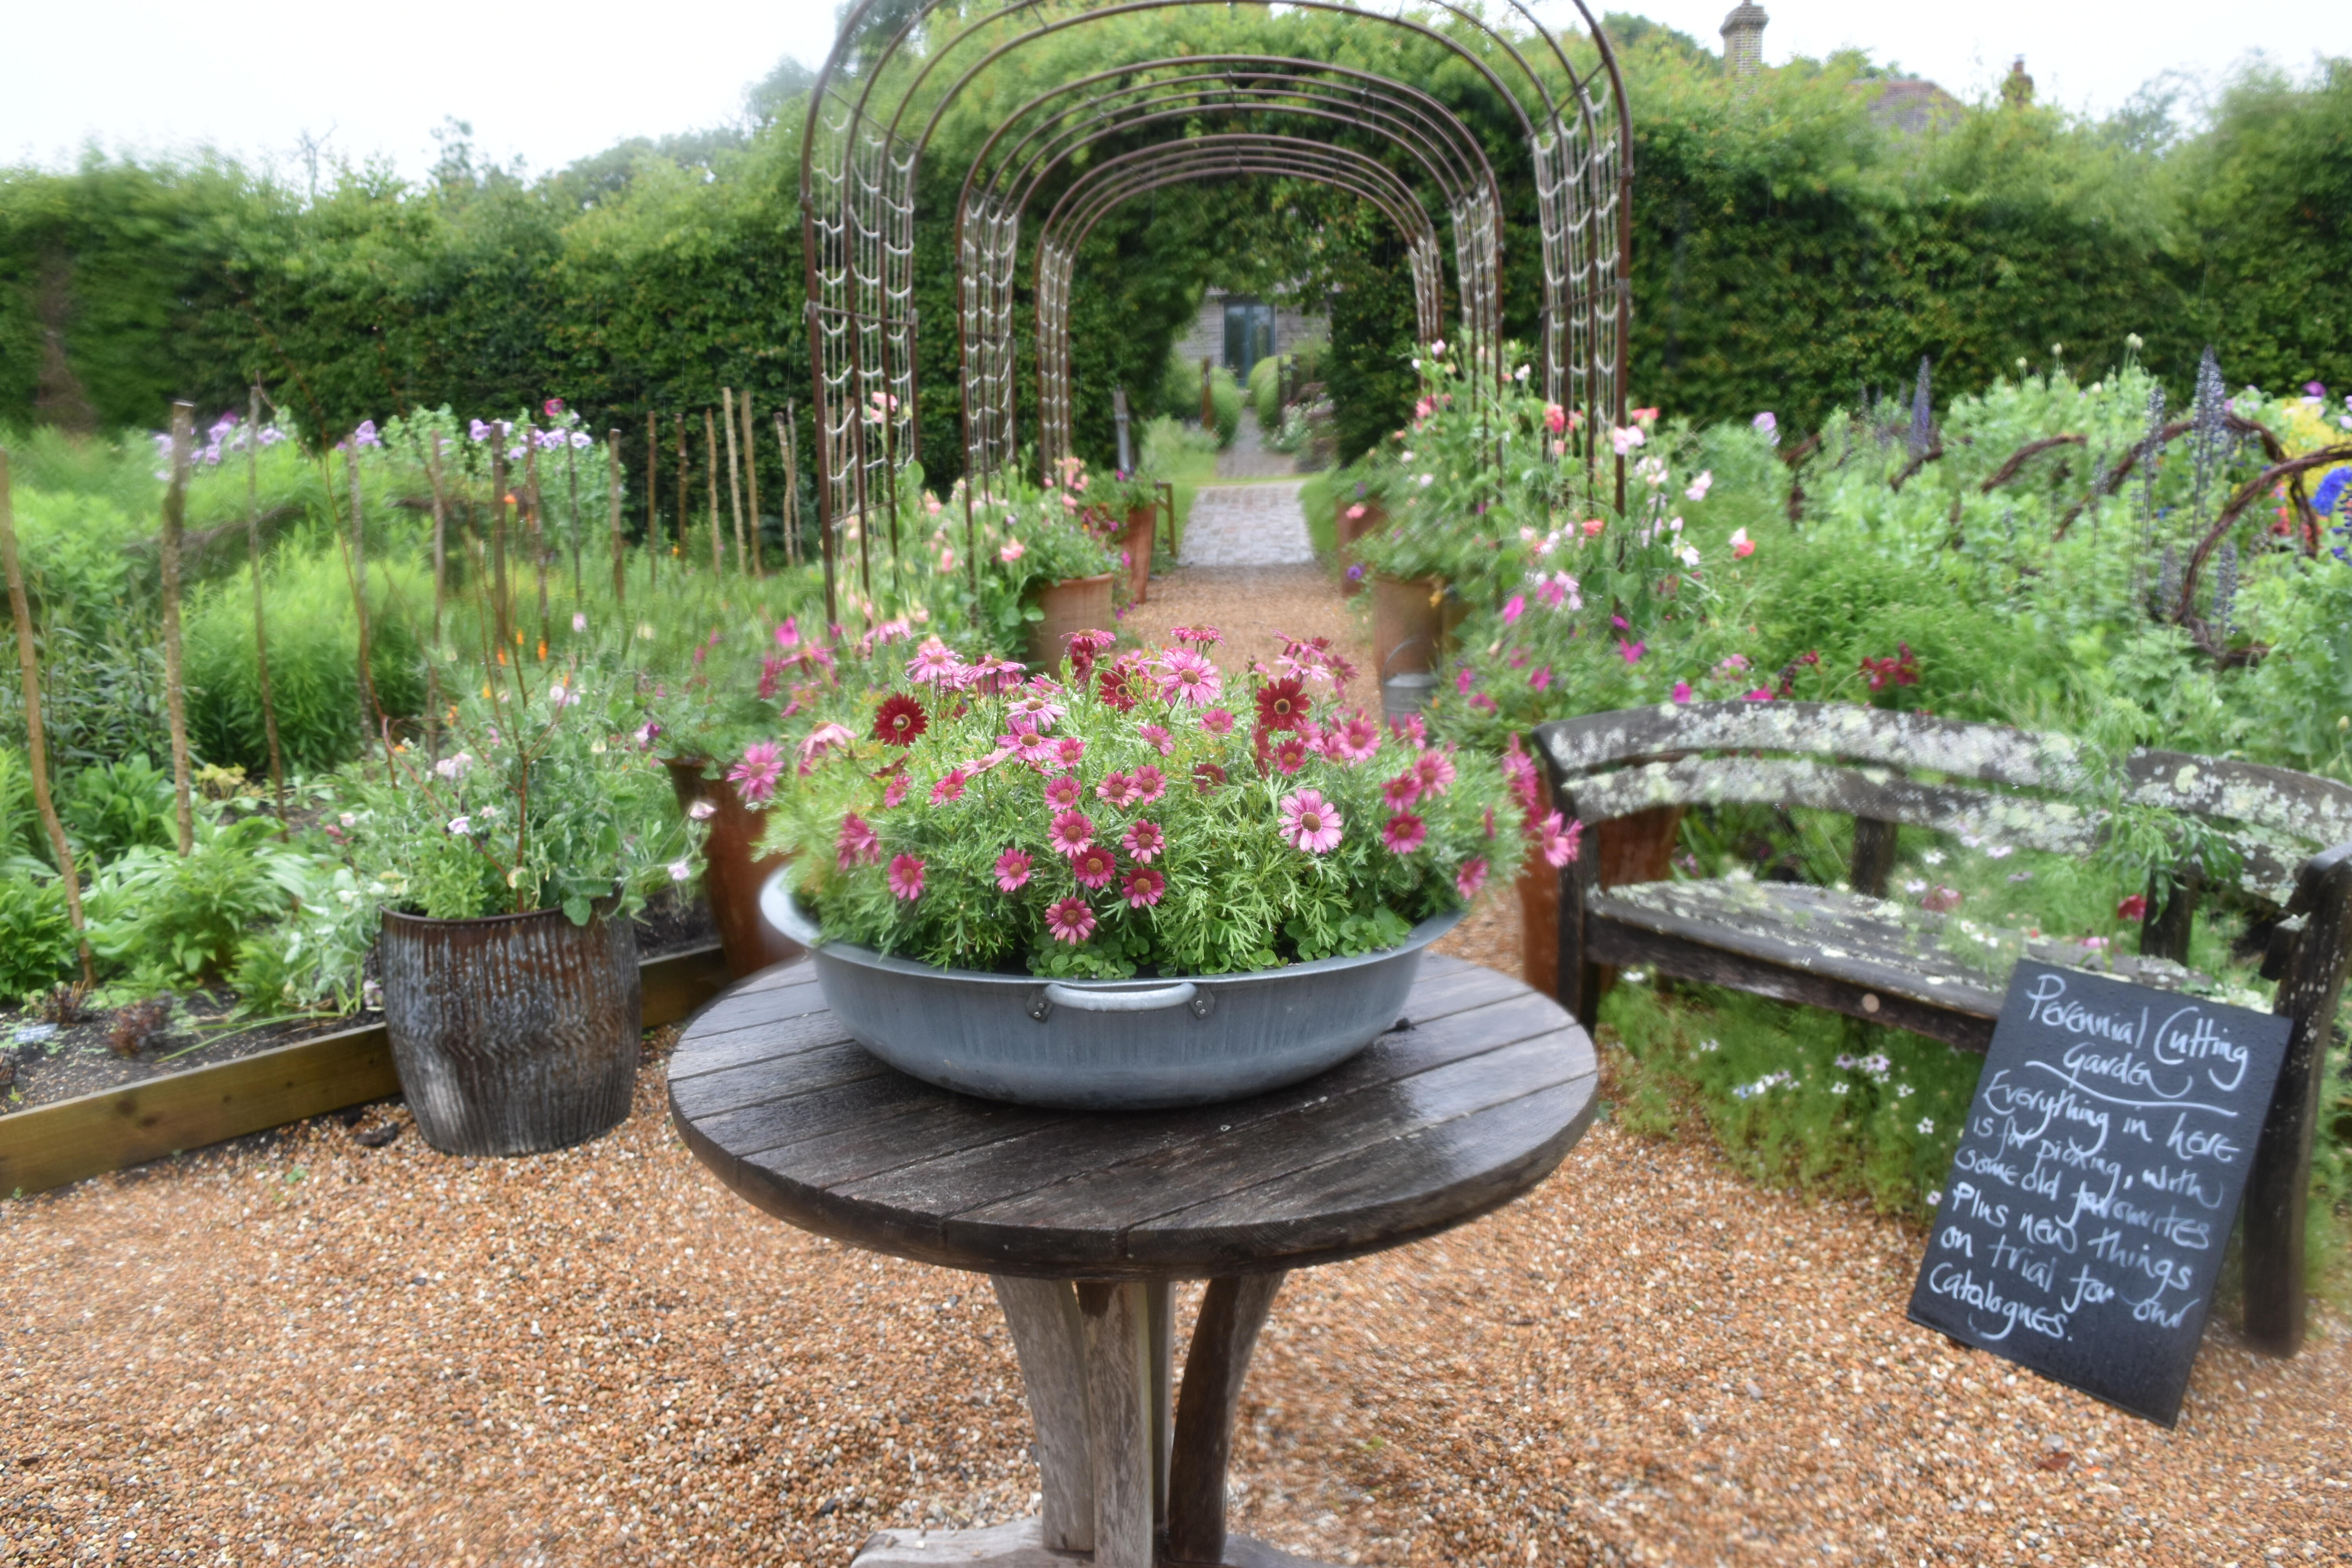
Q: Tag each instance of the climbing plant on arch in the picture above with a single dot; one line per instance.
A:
(900, 66)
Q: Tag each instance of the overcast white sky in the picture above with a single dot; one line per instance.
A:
(555, 83)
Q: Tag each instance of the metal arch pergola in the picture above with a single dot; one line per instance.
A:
(1147, 169)
(857, 185)
(1428, 136)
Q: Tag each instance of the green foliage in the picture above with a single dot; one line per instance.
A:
(112, 808)
(1265, 392)
(1226, 401)
(36, 936)
(172, 918)
(24, 841)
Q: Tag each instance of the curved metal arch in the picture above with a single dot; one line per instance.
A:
(858, 248)
(1423, 126)
(1118, 180)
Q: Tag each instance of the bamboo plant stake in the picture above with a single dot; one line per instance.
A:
(612, 484)
(653, 499)
(371, 711)
(735, 483)
(677, 548)
(499, 619)
(538, 533)
(440, 593)
(572, 481)
(751, 485)
(260, 627)
(175, 693)
(787, 437)
(28, 660)
(710, 472)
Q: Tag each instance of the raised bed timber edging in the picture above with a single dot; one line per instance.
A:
(51, 1145)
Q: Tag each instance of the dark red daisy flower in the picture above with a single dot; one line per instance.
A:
(901, 721)
(1281, 704)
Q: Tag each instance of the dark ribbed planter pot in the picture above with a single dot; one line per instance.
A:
(733, 870)
(512, 1034)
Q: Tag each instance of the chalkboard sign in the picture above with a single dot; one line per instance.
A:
(2094, 1188)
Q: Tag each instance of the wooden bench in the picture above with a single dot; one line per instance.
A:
(1850, 949)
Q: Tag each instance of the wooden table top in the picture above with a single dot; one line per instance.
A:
(1471, 1103)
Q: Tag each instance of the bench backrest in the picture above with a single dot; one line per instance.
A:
(2013, 786)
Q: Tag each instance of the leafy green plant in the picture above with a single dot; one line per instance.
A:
(1265, 392)
(172, 918)
(112, 808)
(37, 935)
(1226, 401)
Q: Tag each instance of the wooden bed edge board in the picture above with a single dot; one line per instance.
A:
(110, 1129)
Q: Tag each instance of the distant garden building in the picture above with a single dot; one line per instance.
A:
(1236, 330)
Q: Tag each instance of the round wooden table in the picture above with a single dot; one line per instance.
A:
(1083, 1219)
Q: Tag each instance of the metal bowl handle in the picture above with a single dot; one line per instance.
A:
(1151, 1001)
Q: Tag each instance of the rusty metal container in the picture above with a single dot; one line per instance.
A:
(1071, 606)
(1407, 627)
(1142, 529)
(733, 871)
(512, 1034)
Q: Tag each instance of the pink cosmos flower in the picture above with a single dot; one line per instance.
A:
(895, 790)
(1471, 877)
(1513, 608)
(1073, 831)
(755, 776)
(1151, 783)
(906, 877)
(1402, 790)
(1064, 791)
(1070, 920)
(858, 843)
(1290, 756)
(1404, 833)
(950, 788)
(1144, 841)
(1436, 773)
(1186, 677)
(1118, 789)
(1217, 721)
(1093, 867)
(1309, 823)
(1160, 740)
(1011, 870)
(1143, 888)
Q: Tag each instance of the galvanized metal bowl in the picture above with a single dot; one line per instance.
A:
(1107, 1045)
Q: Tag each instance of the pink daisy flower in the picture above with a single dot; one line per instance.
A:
(1070, 750)
(1310, 823)
(1034, 710)
(1143, 887)
(1402, 790)
(934, 661)
(1093, 867)
(1289, 755)
(1073, 831)
(895, 790)
(1064, 791)
(1435, 770)
(1189, 677)
(1150, 783)
(1470, 878)
(1353, 742)
(755, 776)
(1404, 833)
(906, 877)
(950, 788)
(1161, 741)
(1013, 871)
(1118, 789)
(1557, 845)
(858, 843)
(820, 740)
(1070, 920)
(1144, 841)
(1217, 721)
(1207, 636)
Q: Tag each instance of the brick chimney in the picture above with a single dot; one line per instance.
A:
(1743, 44)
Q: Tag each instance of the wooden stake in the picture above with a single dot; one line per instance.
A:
(572, 481)
(28, 660)
(260, 629)
(371, 711)
(500, 620)
(791, 486)
(710, 471)
(678, 423)
(735, 483)
(175, 694)
(751, 486)
(440, 594)
(653, 499)
(613, 483)
(538, 525)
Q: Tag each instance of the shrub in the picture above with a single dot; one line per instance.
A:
(1265, 392)
(112, 808)
(172, 918)
(1225, 398)
(36, 937)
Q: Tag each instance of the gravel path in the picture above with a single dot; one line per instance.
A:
(300, 1349)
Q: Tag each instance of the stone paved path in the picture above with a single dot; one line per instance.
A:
(1249, 457)
(1247, 525)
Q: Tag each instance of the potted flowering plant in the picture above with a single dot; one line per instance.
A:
(1130, 505)
(510, 868)
(1131, 884)
(1055, 557)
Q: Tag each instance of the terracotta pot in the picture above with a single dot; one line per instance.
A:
(1636, 849)
(733, 871)
(1407, 627)
(1073, 605)
(1349, 530)
(512, 1034)
(1143, 528)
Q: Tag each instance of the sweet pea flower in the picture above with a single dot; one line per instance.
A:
(455, 767)
(1698, 487)
(1555, 418)
(461, 825)
(1515, 606)
(701, 811)
(1626, 439)
(1682, 691)
(680, 870)
(1592, 527)
(1742, 547)
(1768, 426)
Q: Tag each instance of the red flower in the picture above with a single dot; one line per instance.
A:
(2132, 909)
(901, 721)
(1281, 704)
(1290, 756)
(1207, 777)
(1143, 887)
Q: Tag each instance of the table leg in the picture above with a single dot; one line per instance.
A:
(1043, 1317)
(1231, 1312)
(1117, 1322)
